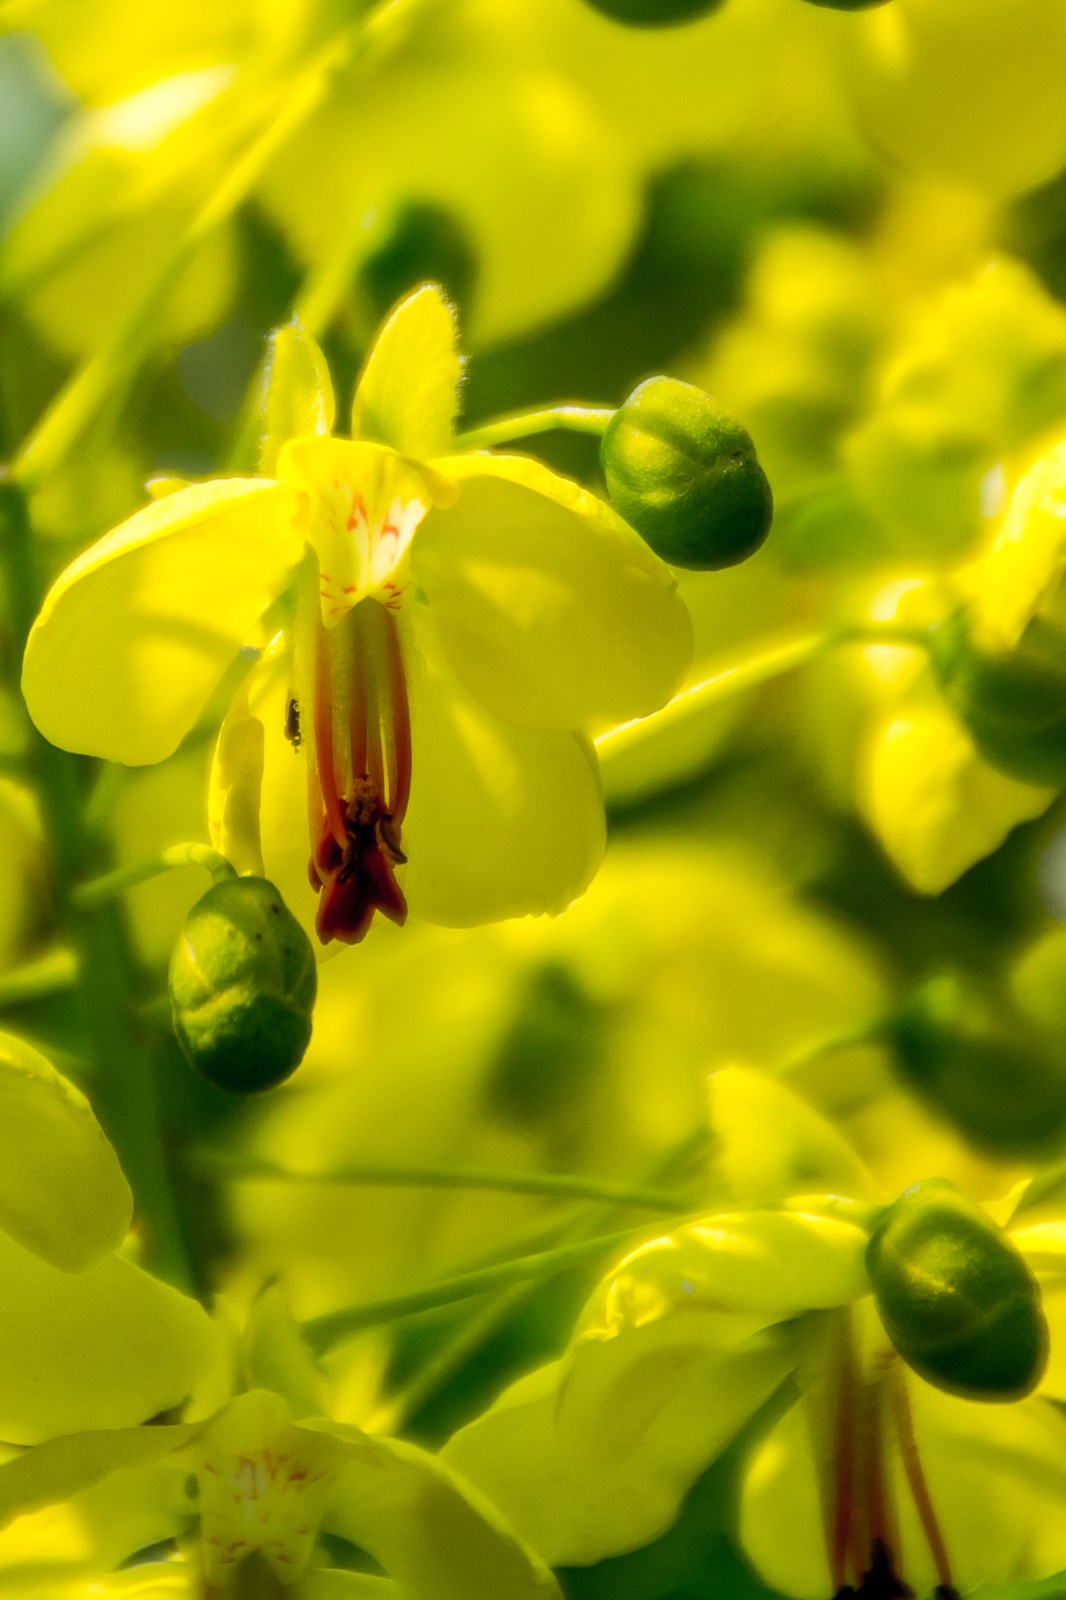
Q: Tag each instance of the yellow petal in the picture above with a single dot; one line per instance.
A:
(409, 391)
(135, 635)
(437, 1536)
(551, 611)
(105, 1348)
(62, 1192)
(503, 822)
(934, 804)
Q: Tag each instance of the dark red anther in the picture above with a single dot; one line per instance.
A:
(358, 879)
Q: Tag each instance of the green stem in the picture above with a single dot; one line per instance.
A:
(98, 891)
(396, 1413)
(371, 1175)
(49, 974)
(848, 1039)
(126, 1091)
(325, 1333)
(524, 424)
(105, 377)
(770, 661)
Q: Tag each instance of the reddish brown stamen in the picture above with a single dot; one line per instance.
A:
(364, 773)
(912, 1466)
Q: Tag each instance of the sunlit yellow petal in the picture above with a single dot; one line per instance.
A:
(503, 821)
(409, 391)
(135, 635)
(935, 805)
(552, 612)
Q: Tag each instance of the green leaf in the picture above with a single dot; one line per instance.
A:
(62, 1192)
(296, 397)
(768, 1144)
(54, 1472)
(408, 395)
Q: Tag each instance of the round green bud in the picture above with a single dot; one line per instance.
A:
(1014, 705)
(975, 1060)
(685, 475)
(655, 13)
(956, 1297)
(242, 986)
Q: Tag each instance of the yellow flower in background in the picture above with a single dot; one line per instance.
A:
(242, 1491)
(450, 626)
(883, 1359)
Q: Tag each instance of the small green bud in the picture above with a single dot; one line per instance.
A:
(684, 474)
(956, 1297)
(242, 986)
(1014, 705)
(974, 1059)
(655, 13)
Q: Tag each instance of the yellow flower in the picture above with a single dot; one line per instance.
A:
(438, 633)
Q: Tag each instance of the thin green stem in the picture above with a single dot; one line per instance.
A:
(769, 661)
(372, 1175)
(124, 1071)
(52, 973)
(105, 377)
(524, 424)
(110, 885)
(397, 1412)
(325, 1333)
(862, 1033)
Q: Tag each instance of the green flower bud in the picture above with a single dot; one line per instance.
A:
(1014, 705)
(242, 986)
(655, 13)
(956, 1297)
(684, 474)
(975, 1060)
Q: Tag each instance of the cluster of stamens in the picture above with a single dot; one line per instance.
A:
(872, 1409)
(360, 775)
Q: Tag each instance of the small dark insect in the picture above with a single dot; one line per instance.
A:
(292, 722)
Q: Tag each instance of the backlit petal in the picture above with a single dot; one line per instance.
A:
(552, 612)
(105, 1348)
(136, 634)
(62, 1191)
(503, 821)
(429, 1530)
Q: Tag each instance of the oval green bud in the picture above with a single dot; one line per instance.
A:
(242, 986)
(1014, 705)
(655, 13)
(685, 475)
(956, 1297)
(973, 1059)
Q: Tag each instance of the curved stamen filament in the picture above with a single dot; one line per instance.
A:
(329, 788)
(884, 1531)
(396, 725)
(912, 1466)
(845, 1535)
